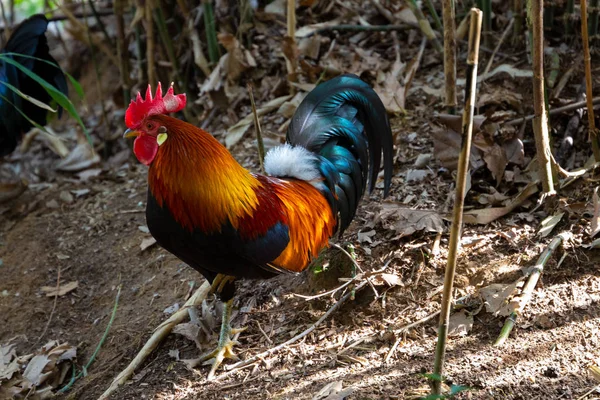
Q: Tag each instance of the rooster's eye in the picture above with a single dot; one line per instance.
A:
(149, 126)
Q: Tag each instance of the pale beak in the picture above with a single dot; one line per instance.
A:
(130, 133)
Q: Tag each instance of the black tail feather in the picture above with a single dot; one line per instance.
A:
(344, 121)
(29, 39)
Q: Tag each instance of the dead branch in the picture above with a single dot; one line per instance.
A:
(555, 111)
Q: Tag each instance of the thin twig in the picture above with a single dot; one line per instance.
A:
(259, 139)
(564, 109)
(593, 133)
(405, 328)
(459, 199)
(301, 335)
(357, 266)
(527, 291)
(53, 305)
(159, 334)
(502, 38)
(345, 284)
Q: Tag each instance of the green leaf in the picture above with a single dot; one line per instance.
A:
(74, 82)
(29, 98)
(32, 122)
(56, 94)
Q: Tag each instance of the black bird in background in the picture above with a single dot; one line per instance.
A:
(29, 39)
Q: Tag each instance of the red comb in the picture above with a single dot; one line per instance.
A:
(141, 108)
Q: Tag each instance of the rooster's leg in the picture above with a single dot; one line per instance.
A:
(225, 346)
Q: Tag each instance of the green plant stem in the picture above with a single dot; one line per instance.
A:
(434, 15)
(97, 350)
(487, 23)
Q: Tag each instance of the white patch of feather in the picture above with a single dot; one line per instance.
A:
(292, 162)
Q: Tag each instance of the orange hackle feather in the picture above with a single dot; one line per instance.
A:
(204, 187)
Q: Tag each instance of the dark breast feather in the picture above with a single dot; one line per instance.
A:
(221, 253)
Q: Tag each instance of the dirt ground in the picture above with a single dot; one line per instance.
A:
(95, 240)
(87, 231)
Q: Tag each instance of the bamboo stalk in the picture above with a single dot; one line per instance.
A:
(527, 291)
(593, 133)
(459, 199)
(568, 16)
(449, 54)
(518, 27)
(540, 121)
(122, 49)
(291, 60)
(424, 25)
(150, 66)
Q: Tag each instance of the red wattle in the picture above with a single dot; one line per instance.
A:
(145, 148)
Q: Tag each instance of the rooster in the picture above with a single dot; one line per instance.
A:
(227, 222)
(16, 113)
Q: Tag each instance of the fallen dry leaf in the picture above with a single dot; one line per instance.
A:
(388, 279)
(549, 223)
(147, 243)
(487, 215)
(460, 324)
(8, 362)
(62, 289)
(81, 157)
(496, 298)
(406, 221)
(41, 372)
(333, 391)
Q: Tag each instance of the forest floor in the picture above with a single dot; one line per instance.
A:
(87, 231)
